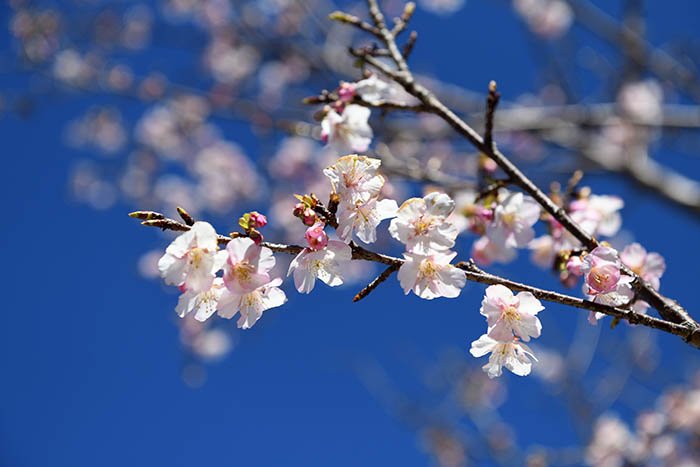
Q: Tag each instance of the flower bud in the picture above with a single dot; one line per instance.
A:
(309, 217)
(316, 237)
(257, 220)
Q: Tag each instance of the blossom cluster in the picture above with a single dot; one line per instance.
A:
(230, 281)
(512, 320)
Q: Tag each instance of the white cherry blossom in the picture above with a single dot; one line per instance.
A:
(421, 224)
(354, 178)
(193, 259)
(348, 131)
(375, 90)
(431, 276)
(648, 266)
(362, 218)
(204, 304)
(248, 265)
(509, 314)
(513, 220)
(251, 305)
(325, 264)
(512, 354)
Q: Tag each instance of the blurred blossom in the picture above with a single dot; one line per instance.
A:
(610, 443)
(228, 62)
(547, 18)
(225, 174)
(72, 68)
(136, 31)
(119, 78)
(642, 101)
(443, 7)
(101, 129)
(37, 32)
(148, 264)
(89, 187)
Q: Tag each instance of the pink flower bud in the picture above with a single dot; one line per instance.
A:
(257, 220)
(485, 214)
(346, 92)
(316, 237)
(575, 266)
(309, 217)
(298, 210)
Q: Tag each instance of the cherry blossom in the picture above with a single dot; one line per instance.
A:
(431, 276)
(621, 295)
(248, 265)
(203, 303)
(326, 264)
(512, 354)
(648, 266)
(193, 259)
(602, 270)
(509, 314)
(421, 224)
(485, 251)
(354, 178)
(375, 90)
(598, 214)
(251, 305)
(362, 218)
(513, 221)
(348, 131)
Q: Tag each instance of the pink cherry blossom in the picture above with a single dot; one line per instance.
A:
(621, 295)
(598, 214)
(509, 314)
(431, 276)
(354, 178)
(193, 259)
(316, 237)
(602, 270)
(362, 218)
(204, 304)
(513, 220)
(248, 265)
(346, 92)
(326, 264)
(251, 305)
(575, 266)
(421, 224)
(485, 252)
(512, 354)
(348, 131)
(648, 266)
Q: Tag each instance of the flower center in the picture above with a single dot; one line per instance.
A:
(196, 255)
(510, 313)
(427, 269)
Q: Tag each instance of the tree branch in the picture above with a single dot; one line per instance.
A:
(472, 273)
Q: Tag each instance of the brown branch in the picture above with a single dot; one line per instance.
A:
(375, 283)
(474, 274)
(491, 104)
(667, 308)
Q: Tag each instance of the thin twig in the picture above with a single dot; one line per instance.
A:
(375, 283)
(491, 104)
